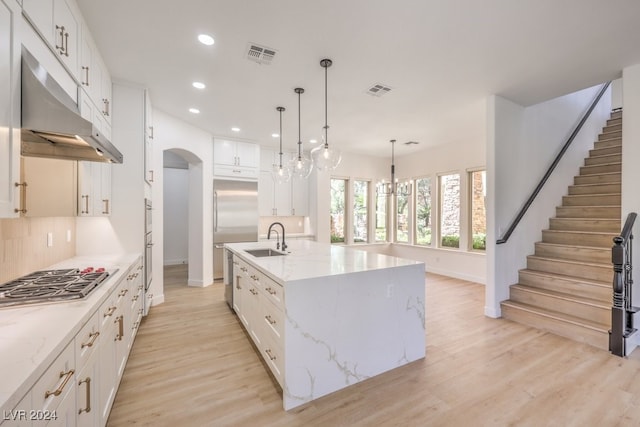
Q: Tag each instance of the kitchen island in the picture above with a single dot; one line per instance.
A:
(324, 316)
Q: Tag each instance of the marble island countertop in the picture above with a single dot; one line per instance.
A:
(307, 260)
(31, 336)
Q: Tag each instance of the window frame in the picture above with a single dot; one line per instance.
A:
(440, 197)
(470, 172)
(347, 199)
(368, 200)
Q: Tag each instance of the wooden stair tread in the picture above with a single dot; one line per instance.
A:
(581, 232)
(564, 245)
(590, 282)
(564, 296)
(569, 261)
(598, 327)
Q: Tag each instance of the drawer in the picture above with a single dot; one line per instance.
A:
(239, 172)
(273, 291)
(273, 319)
(87, 340)
(273, 355)
(53, 385)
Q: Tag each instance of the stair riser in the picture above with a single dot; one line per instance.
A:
(588, 212)
(612, 226)
(549, 302)
(579, 239)
(592, 272)
(612, 127)
(607, 143)
(616, 115)
(558, 327)
(615, 149)
(614, 188)
(591, 200)
(598, 179)
(558, 284)
(590, 170)
(574, 253)
(610, 135)
(603, 160)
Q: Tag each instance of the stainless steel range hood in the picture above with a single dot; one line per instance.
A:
(51, 122)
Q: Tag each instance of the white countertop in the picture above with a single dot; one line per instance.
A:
(306, 259)
(32, 336)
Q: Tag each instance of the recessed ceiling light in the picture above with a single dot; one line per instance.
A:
(206, 39)
(313, 141)
(194, 110)
(198, 85)
(235, 129)
(275, 135)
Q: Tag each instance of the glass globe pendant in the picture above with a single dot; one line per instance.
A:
(325, 157)
(300, 165)
(280, 172)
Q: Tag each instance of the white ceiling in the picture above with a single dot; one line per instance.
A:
(441, 59)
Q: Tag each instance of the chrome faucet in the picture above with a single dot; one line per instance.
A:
(284, 245)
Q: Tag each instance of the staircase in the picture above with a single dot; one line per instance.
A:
(566, 288)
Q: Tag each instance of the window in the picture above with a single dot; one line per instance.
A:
(338, 199)
(423, 211)
(478, 180)
(360, 211)
(450, 210)
(381, 218)
(402, 218)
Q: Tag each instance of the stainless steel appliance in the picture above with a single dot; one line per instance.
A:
(235, 219)
(51, 122)
(51, 286)
(148, 251)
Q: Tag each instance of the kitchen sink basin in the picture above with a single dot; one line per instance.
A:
(264, 252)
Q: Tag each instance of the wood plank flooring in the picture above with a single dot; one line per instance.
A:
(192, 365)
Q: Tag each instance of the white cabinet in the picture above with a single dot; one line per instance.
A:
(280, 199)
(235, 159)
(9, 109)
(148, 139)
(299, 197)
(59, 24)
(94, 79)
(87, 342)
(48, 187)
(94, 189)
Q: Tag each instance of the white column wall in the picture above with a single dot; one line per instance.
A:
(522, 143)
(176, 220)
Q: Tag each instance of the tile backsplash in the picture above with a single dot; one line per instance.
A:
(292, 224)
(23, 244)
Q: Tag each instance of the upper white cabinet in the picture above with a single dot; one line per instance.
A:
(59, 24)
(48, 187)
(9, 109)
(94, 189)
(235, 159)
(148, 139)
(94, 77)
(280, 199)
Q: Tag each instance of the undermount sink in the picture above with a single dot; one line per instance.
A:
(264, 252)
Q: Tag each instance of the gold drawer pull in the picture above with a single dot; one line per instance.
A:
(93, 337)
(271, 356)
(88, 408)
(120, 321)
(244, 269)
(271, 291)
(270, 320)
(58, 391)
(135, 298)
(110, 311)
(123, 292)
(253, 291)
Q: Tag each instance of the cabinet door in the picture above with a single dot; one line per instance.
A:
(224, 152)
(105, 189)
(148, 139)
(85, 188)
(299, 197)
(267, 159)
(9, 111)
(105, 91)
(66, 29)
(40, 14)
(51, 187)
(88, 413)
(266, 188)
(282, 197)
(248, 154)
(107, 358)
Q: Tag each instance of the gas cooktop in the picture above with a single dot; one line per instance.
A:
(51, 286)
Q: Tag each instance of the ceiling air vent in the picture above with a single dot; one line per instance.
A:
(260, 54)
(378, 90)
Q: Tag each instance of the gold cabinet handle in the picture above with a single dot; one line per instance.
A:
(110, 311)
(92, 340)
(123, 292)
(61, 47)
(120, 321)
(135, 298)
(88, 406)
(270, 320)
(85, 197)
(66, 44)
(253, 291)
(254, 277)
(23, 197)
(151, 175)
(238, 283)
(271, 356)
(105, 210)
(151, 129)
(58, 391)
(244, 269)
(270, 290)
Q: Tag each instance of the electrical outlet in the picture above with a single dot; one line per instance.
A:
(68, 236)
(390, 287)
(49, 240)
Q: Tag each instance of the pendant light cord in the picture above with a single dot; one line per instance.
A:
(280, 109)
(326, 108)
(299, 91)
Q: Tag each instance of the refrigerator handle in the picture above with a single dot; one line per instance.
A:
(215, 211)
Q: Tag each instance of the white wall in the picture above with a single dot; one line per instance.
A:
(195, 146)
(176, 220)
(521, 144)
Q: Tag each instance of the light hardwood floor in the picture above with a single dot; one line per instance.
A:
(192, 365)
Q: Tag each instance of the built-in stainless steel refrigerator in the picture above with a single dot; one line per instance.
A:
(235, 219)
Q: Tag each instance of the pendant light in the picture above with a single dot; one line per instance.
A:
(280, 173)
(324, 157)
(300, 165)
(393, 187)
